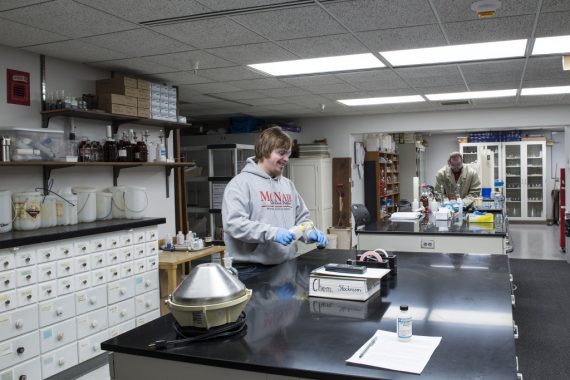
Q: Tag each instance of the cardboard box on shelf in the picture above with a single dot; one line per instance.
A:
(106, 99)
(143, 93)
(113, 88)
(120, 109)
(120, 81)
(143, 112)
(144, 84)
(143, 103)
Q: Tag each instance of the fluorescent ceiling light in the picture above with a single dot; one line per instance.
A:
(546, 90)
(472, 95)
(385, 100)
(551, 45)
(320, 65)
(456, 53)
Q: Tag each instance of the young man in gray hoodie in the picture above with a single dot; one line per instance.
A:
(260, 206)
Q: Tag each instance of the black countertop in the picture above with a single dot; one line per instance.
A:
(43, 235)
(463, 298)
(429, 226)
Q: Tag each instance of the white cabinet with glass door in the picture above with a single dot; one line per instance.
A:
(471, 151)
(525, 180)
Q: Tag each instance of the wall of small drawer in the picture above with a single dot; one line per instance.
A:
(60, 300)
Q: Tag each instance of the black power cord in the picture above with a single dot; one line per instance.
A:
(225, 331)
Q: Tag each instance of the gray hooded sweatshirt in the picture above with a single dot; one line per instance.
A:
(255, 205)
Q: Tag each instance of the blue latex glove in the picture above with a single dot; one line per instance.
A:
(318, 237)
(284, 236)
(286, 291)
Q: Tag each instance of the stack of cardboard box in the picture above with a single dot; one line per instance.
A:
(124, 96)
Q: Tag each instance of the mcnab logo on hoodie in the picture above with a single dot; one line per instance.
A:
(275, 199)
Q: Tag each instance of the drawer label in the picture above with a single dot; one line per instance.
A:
(6, 375)
(139, 280)
(47, 334)
(5, 349)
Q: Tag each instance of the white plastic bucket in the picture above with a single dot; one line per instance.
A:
(104, 206)
(27, 209)
(86, 204)
(49, 211)
(6, 217)
(118, 206)
(66, 208)
(136, 202)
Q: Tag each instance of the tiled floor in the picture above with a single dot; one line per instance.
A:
(531, 241)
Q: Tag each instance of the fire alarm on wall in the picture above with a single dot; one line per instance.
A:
(18, 87)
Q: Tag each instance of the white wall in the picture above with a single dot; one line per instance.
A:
(75, 79)
(339, 131)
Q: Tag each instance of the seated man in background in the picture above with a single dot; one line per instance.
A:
(456, 179)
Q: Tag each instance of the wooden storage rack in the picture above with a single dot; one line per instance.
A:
(381, 184)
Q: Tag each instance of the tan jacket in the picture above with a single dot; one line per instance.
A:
(469, 183)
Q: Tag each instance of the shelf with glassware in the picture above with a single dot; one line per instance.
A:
(381, 183)
(525, 180)
(471, 152)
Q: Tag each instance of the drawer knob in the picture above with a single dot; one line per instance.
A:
(128, 241)
(99, 245)
(100, 277)
(93, 300)
(48, 255)
(49, 273)
(123, 313)
(147, 283)
(129, 254)
(6, 263)
(67, 286)
(67, 268)
(59, 311)
(66, 251)
(7, 282)
(95, 348)
(19, 323)
(48, 291)
(20, 350)
(128, 270)
(61, 361)
(140, 238)
(122, 291)
(114, 258)
(83, 248)
(94, 323)
(84, 265)
(100, 260)
(60, 336)
(147, 304)
(84, 282)
(23, 377)
(29, 296)
(28, 277)
(28, 259)
(7, 302)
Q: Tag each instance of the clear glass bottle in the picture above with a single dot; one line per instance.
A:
(404, 324)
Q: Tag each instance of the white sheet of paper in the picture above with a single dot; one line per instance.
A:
(370, 273)
(390, 353)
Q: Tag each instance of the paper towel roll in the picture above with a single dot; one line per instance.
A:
(416, 189)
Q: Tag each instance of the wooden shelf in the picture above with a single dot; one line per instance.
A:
(115, 119)
(381, 167)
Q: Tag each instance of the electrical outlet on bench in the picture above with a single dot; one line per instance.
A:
(428, 244)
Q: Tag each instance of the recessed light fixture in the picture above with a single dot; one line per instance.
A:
(486, 8)
(320, 65)
(384, 100)
(545, 90)
(456, 53)
(551, 45)
(472, 95)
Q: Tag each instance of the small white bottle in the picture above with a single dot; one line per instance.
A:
(179, 238)
(161, 149)
(168, 241)
(404, 324)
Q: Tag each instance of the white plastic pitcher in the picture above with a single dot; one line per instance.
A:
(66, 208)
(118, 201)
(86, 204)
(49, 211)
(136, 202)
(27, 209)
(104, 205)
(6, 217)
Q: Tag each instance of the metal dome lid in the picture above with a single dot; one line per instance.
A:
(208, 283)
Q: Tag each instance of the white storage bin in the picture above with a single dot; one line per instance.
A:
(30, 144)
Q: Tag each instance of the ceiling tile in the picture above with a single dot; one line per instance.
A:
(68, 18)
(544, 100)
(283, 92)
(331, 88)
(540, 68)
(196, 98)
(487, 72)
(382, 14)
(495, 29)
(19, 35)
(381, 85)
(392, 92)
(210, 33)
(259, 84)
(286, 24)
(434, 81)
(460, 10)
(312, 80)
(230, 74)
(181, 77)
(369, 76)
(11, 4)
(553, 24)
(325, 46)
(403, 38)
(545, 83)
(502, 102)
(187, 60)
(133, 65)
(75, 51)
(242, 95)
(253, 53)
(555, 5)
(442, 89)
(347, 95)
(310, 100)
(498, 85)
(138, 42)
(266, 101)
(218, 5)
(146, 10)
(212, 88)
(429, 71)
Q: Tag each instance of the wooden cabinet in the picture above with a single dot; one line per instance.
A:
(381, 183)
